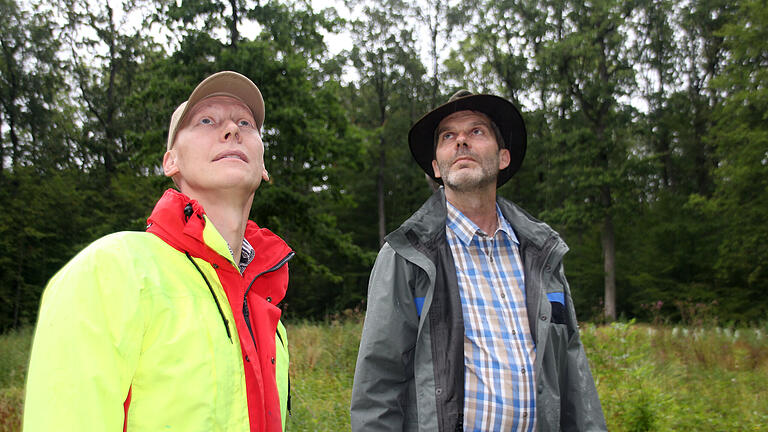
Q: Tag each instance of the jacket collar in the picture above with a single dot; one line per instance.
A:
(428, 223)
(181, 222)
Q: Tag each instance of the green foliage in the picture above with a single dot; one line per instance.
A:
(646, 125)
(668, 273)
(740, 135)
(656, 378)
(14, 355)
(668, 379)
(630, 398)
(31, 78)
(322, 367)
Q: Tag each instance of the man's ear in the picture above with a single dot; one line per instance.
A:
(265, 175)
(504, 159)
(170, 167)
(435, 168)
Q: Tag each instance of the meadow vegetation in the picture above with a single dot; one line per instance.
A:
(650, 377)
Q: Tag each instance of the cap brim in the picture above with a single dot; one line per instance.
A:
(225, 83)
(507, 117)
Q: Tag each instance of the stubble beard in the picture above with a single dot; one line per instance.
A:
(470, 180)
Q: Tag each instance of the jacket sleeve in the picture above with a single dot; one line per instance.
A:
(384, 362)
(86, 345)
(582, 410)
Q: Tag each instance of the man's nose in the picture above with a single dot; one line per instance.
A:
(231, 130)
(461, 140)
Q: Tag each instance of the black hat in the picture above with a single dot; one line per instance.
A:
(421, 137)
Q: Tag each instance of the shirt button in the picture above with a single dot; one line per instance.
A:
(522, 371)
(514, 332)
(503, 295)
(543, 317)
(525, 414)
(273, 360)
(269, 299)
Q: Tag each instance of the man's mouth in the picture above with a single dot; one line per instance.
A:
(235, 154)
(463, 159)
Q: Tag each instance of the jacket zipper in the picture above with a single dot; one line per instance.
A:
(246, 313)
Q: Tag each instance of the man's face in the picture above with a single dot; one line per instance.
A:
(467, 156)
(217, 149)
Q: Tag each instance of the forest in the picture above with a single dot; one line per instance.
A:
(647, 130)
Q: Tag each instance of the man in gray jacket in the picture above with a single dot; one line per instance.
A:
(470, 323)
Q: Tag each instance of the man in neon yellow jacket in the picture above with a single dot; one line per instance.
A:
(175, 328)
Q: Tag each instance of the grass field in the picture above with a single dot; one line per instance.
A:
(649, 378)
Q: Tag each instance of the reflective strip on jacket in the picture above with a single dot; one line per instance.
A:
(410, 367)
(151, 324)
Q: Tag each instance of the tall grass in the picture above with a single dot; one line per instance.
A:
(322, 367)
(14, 354)
(650, 378)
(669, 379)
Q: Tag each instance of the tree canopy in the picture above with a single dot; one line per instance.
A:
(647, 134)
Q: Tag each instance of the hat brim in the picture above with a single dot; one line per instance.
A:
(507, 117)
(225, 83)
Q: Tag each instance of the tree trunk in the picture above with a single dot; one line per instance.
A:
(434, 65)
(234, 34)
(17, 300)
(609, 267)
(2, 153)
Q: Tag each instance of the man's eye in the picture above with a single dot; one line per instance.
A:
(447, 136)
(477, 131)
(244, 123)
(206, 121)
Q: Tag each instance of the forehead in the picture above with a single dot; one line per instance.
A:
(219, 102)
(466, 116)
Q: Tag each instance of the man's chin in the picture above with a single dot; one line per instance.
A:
(467, 181)
(462, 181)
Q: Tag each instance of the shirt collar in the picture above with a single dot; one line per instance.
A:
(466, 230)
(246, 255)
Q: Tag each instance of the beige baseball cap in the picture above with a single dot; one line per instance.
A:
(225, 83)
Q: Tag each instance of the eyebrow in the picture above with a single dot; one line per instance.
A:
(242, 109)
(442, 129)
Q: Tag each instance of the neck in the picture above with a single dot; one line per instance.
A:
(229, 214)
(478, 205)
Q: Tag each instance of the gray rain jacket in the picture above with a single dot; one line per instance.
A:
(410, 367)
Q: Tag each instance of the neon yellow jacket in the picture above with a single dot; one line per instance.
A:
(130, 325)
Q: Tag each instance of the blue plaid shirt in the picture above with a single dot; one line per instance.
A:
(499, 386)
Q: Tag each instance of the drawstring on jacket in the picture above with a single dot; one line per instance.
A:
(188, 211)
(210, 288)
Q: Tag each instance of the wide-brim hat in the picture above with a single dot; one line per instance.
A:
(504, 114)
(225, 83)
